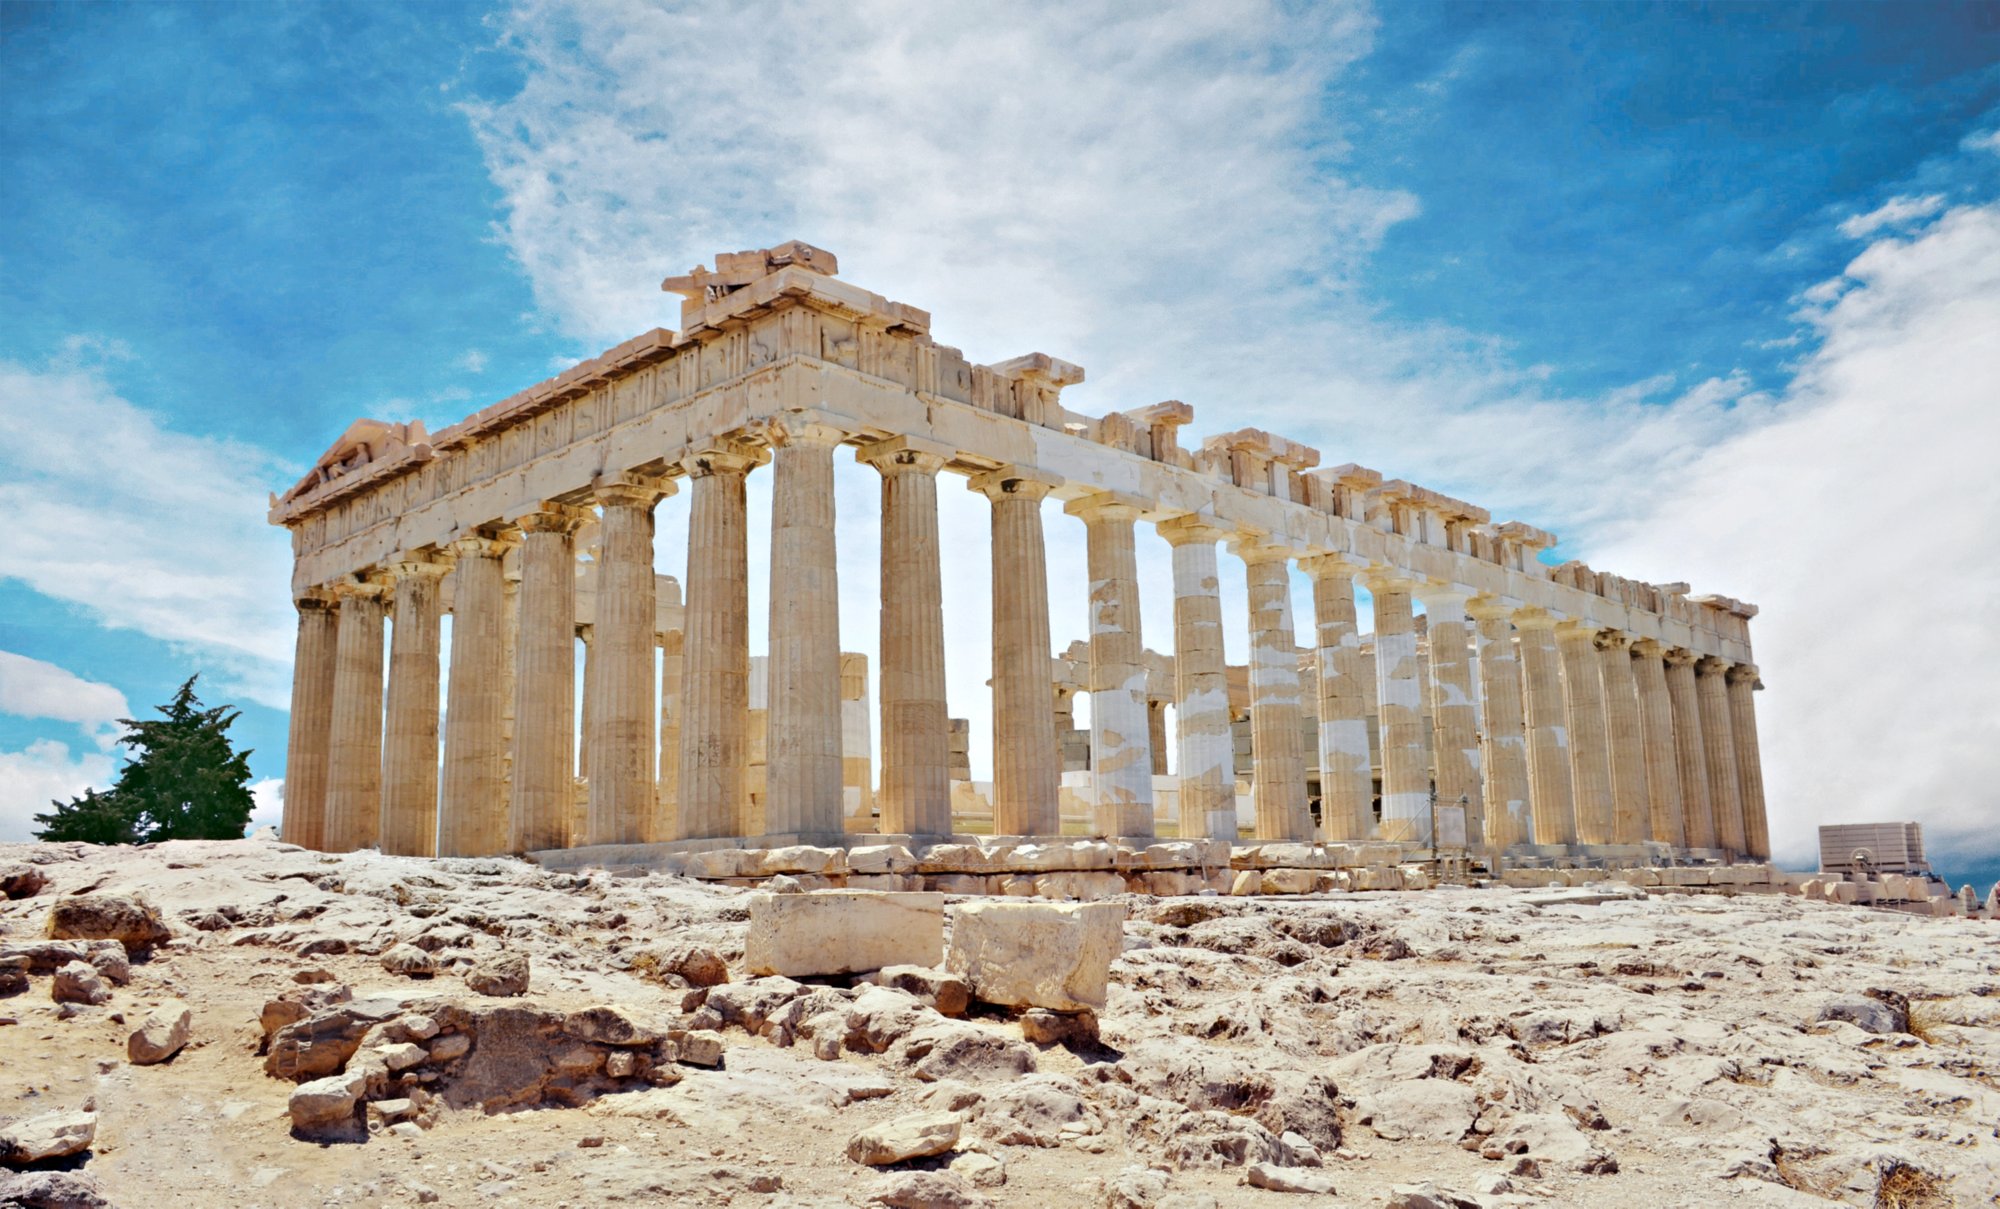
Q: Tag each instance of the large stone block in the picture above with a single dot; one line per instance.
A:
(1048, 955)
(842, 932)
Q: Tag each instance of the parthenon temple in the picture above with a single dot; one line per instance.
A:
(1531, 714)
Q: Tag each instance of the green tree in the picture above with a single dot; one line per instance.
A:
(184, 782)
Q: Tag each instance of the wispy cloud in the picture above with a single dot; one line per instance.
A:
(473, 362)
(148, 528)
(1896, 212)
(32, 688)
(43, 773)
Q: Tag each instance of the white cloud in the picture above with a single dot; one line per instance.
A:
(150, 529)
(269, 811)
(473, 362)
(30, 688)
(45, 772)
(1896, 212)
(1861, 520)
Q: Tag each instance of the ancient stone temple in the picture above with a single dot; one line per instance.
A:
(1528, 711)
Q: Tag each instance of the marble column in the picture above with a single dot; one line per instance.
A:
(1455, 711)
(1690, 754)
(1201, 684)
(1026, 768)
(1743, 683)
(1503, 738)
(715, 686)
(1718, 747)
(311, 721)
(1121, 760)
(472, 806)
(673, 668)
(1589, 739)
(354, 742)
(1406, 781)
(544, 769)
(1346, 777)
(410, 742)
(915, 797)
(1550, 795)
(621, 707)
(1665, 822)
(1278, 766)
(1631, 810)
(803, 794)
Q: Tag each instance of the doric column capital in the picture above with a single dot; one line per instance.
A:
(587, 631)
(1443, 601)
(1490, 608)
(1532, 618)
(1257, 548)
(1677, 656)
(313, 599)
(1710, 665)
(1647, 648)
(478, 545)
(809, 429)
(1332, 566)
(1744, 672)
(1611, 640)
(428, 563)
(364, 585)
(906, 455)
(724, 457)
(1193, 529)
(626, 489)
(1013, 482)
(1576, 629)
(549, 517)
(1105, 506)
(1388, 579)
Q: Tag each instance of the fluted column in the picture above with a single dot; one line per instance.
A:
(1718, 746)
(1503, 738)
(1631, 811)
(1665, 821)
(311, 721)
(410, 743)
(1346, 778)
(1455, 711)
(915, 797)
(1121, 759)
(1749, 761)
(1201, 683)
(1690, 753)
(1589, 741)
(621, 714)
(1406, 781)
(354, 744)
(1026, 771)
(1278, 769)
(803, 795)
(472, 805)
(715, 685)
(1550, 794)
(545, 681)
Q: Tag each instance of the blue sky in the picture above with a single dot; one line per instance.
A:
(1543, 256)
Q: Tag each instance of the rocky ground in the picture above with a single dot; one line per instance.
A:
(1503, 1047)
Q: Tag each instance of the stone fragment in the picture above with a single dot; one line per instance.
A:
(46, 956)
(701, 1047)
(1288, 1179)
(51, 1190)
(79, 982)
(325, 1105)
(925, 1190)
(403, 1055)
(1866, 1013)
(979, 1169)
(907, 1137)
(842, 932)
(409, 961)
(51, 1135)
(130, 921)
(321, 1043)
(944, 991)
(1429, 1196)
(609, 1025)
(450, 1046)
(161, 1035)
(13, 974)
(880, 859)
(1040, 1026)
(1048, 955)
(502, 975)
(110, 959)
(697, 965)
(21, 881)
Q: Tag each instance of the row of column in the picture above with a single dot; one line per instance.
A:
(1583, 739)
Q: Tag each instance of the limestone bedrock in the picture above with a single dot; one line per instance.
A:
(843, 931)
(1046, 955)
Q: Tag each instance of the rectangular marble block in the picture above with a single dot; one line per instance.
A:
(843, 932)
(1045, 955)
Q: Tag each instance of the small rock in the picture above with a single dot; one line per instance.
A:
(392, 1110)
(308, 977)
(161, 1035)
(51, 1190)
(609, 1025)
(326, 1104)
(980, 1170)
(950, 994)
(450, 1046)
(110, 959)
(403, 1055)
(420, 1028)
(1289, 1179)
(49, 1136)
(21, 881)
(1428, 1196)
(502, 975)
(130, 921)
(1869, 1014)
(408, 1130)
(925, 1190)
(79, 982)
(701, 1047)
(907, 1137)
(409, 961)
(621, 1064)
(425, 1194)
(1040, 1026)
